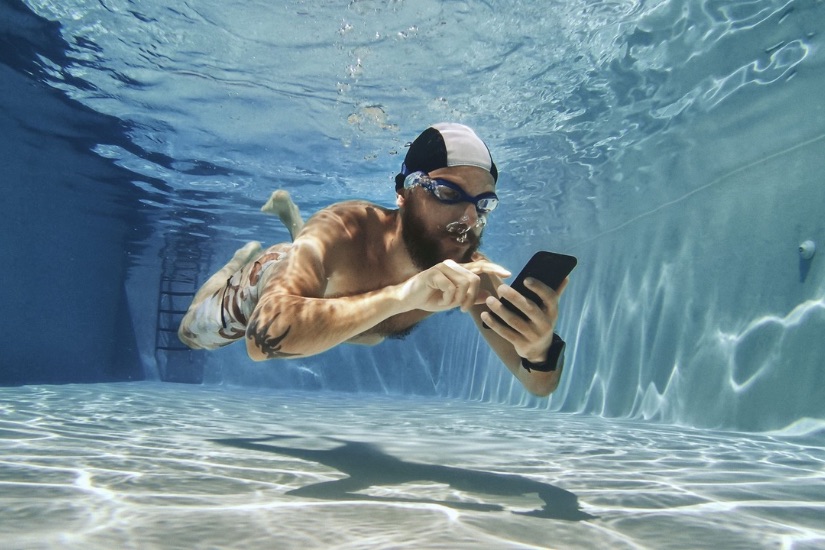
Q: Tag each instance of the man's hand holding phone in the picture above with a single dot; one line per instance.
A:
(531, 333)
(525, 313)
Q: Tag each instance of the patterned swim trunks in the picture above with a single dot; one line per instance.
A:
(222, 318)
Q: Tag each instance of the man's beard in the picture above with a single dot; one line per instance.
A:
(427, 247)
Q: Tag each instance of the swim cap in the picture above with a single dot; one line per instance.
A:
(442, 145)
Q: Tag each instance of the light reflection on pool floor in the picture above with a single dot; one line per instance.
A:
(167, 466)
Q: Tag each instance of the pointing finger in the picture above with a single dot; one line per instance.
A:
(484, 266)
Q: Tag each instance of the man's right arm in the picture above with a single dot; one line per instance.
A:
(293, 319)
(285, 326)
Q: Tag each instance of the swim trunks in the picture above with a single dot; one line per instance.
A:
(222, 318)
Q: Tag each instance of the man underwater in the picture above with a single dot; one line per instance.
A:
(357, 272)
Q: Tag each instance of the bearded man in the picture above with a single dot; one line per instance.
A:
(359, 273)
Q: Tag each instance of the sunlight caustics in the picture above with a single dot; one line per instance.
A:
(126, 464)
(675, 148)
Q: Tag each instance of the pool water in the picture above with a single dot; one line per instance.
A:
(152, 465)
(674, 147)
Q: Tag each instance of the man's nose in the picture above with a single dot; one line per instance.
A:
(471, 214)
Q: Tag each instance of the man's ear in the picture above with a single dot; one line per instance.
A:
(400, 199)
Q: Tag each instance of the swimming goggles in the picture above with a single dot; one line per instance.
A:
(448, 192)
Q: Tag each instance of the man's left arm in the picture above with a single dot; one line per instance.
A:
(517, 338)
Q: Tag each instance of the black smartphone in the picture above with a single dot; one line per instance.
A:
(548, 267)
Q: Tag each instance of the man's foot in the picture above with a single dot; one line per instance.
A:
(280, 204)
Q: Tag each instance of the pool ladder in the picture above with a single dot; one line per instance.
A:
(178, 285)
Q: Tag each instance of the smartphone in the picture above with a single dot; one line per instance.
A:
(548, 267)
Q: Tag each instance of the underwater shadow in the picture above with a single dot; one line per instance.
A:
(368, 466)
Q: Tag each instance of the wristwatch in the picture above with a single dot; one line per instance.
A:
(554, 361)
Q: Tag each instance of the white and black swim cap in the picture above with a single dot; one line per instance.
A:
(442, 145)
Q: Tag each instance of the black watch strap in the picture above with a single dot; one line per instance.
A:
(554, 361)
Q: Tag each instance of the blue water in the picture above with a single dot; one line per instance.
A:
(676, 149)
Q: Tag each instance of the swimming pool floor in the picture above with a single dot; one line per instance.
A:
(151, 465)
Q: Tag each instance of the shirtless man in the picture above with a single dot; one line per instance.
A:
(357, 272)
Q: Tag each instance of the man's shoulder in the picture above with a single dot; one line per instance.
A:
(351, 221)
(357, 206)
(353, 212)
(346, 230)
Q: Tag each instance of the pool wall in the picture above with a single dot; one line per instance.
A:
(66, 217)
